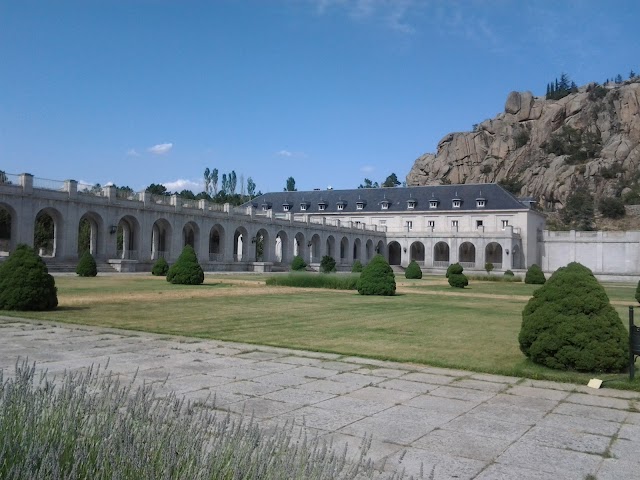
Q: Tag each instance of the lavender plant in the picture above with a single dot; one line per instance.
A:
(89, 425)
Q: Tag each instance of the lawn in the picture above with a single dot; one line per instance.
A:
(427, 322)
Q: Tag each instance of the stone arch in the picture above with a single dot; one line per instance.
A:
(380, 248)
(299, 245)
(368, 250)
(48, 232)
(395, 253)
(517, 259)
(314, 253)
(282, 248)
(331, 246)
(216, 243)
(467, 255)
(262, 247)
(416, 252)
(493, 254)
(128, 238)
(8, 228)
(90, 226)
(240, 244)
(191, 235)
(161, 234)
(441, 254)
(344, 250)
(357, 249)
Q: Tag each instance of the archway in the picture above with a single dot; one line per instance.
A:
(262, 247)
(517, 260)
(161, 239)
(467, 255)
(441, 254)
(216, 243)
(314, 253)
(7, 227)
(240, 241)
(395, 253)
(88, 233)
(191, 235)
(493, 254)
(299, 245)
(127, 238)
(331, 247)
(417, 252)
(357, 249)
(282, 248)
(368, 250)
(47, 232)
(380, 248)
(344, 249)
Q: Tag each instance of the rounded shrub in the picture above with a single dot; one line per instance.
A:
(458, 280)
(160, 268)
(535, 275)
(413, 270)
(570, 324)
(356, 267)
(298, 263)
(377, 278)
(25, 283)
(454, 268)
(186, 270)
(508, 273)
(489, 267)
(327, 264)
(638, 292)
(87, 265)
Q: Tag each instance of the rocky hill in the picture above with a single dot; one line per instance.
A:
(548, 148)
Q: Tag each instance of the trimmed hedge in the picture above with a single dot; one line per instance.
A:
(508, 273)
(160, 268)
(570, 324)
(25, 283)
(413, 270)
(638, 292)
(454, 268)
(327, 264)
(186, 270)
(314, 280)
(458, 280)
(87, 265)
(357, 267)
(298, 263)
(377, 278)
(535, 275)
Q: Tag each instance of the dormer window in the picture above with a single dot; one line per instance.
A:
(411, 204)
(480, 202)
(266, 206)
(303, 207)
(322, 206)
(360, 204)
(457, 202)
(340, 205)
(286, 207)
(433, 203)
(384, 204)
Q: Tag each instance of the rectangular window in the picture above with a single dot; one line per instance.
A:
(340, 207)
(359, 206)
(409, 225)
(433, 204)
(383, 222)
(285, 208)
(505, 223)
(322, 206)
(480, 203)
(454, 223)
(479, 223)
(411, 205)
(431, 223)
(385, 206)
(456, 204)
(303, 207)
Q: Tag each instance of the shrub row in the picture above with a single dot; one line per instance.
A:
(313, 280)
(495, 278)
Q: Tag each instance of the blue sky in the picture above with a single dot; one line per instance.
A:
(327, 91)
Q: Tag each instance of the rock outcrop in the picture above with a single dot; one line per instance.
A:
(547, 148)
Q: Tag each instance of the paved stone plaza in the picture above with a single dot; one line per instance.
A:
(456, 424)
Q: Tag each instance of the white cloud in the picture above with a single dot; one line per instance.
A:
(132, 153)
(367, 169)
(289, 154)
(392, 14)
(182, 184)
(160, 149)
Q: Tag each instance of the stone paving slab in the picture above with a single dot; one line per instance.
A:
(438, 422)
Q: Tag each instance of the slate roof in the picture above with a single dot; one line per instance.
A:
(495, 198)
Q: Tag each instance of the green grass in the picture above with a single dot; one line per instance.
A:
(427, 322)
(312, 280)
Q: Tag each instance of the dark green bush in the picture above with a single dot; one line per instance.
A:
(186, 270)
(494, 278)
(535, 275)
(489, 267)
(377, 278)
(87, 265)
(458, 280)
(314, 280)
(569, 323)
(327, 264)
(160, 268)
(25, 283)
(638, 292)
(611, 207)
(298, 263)
(454, 268)
(413, 270)
(508, 273)
(357, 267)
